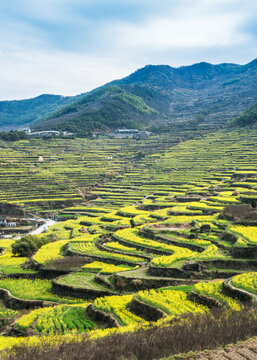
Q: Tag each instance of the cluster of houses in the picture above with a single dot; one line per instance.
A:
(46, 133)
(5, 223)
(129, 133)
(117, 134)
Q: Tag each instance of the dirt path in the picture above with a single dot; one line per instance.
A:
(40, 229)
(240, 351)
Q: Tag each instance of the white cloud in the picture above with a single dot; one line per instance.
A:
(38, 59)
(46, 10)
(30, 73)
(190, 24)
(163, 33)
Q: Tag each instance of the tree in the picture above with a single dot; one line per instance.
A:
(254, 204)
(29, 244)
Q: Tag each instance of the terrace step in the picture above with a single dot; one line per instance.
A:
(169, 272)
(104, 248)
(110, 260)
(15, 303)
(232, 355)
(140, 279)
(87, 289)
(103, 280)
(140, 247)
(145, 311)
(168, 240)
(230, 290)
(102, 316)
(204, 300)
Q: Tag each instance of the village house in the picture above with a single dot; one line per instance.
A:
(49, 133)
(5, 223)
(129, 133)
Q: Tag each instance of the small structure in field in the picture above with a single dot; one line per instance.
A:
(45, 133)
(129, 133)
(5, 223)
(27, 130)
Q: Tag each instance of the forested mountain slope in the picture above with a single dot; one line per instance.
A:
(22, 112)
(249, 117)
(156, 95)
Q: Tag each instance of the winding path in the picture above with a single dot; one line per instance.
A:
(41, 228)
(47, 223)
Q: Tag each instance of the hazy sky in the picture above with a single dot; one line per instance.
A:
(72, 46)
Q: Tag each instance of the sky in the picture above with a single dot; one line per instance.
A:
(68, 47)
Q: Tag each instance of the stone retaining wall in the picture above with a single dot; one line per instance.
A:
(101, 280)
(52, 273)
(236, 293)
(70, 252)
(103, 248)
(99, 315)
(204, 300)
(15, 303)
(168, 272)
(141, 247)
(248, 252)
(149, 233)
(231, 264)
(20, 276)
(83, 293)
(145, 311)
(124, 283)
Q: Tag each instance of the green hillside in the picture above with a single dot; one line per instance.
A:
(157, 96)
(249, 117)
(103, 109)
(21, 112)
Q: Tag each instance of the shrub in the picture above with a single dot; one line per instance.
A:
(29, 244)
(240, 212)
(197, 332)
(227, 236)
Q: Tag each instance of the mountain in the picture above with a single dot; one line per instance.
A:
(156, 95)
(22, 112)
(103, 109)
(209, 94)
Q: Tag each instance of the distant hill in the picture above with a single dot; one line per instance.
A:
(17, 113)
(156, 95)
(103, 109)
(249, 117)
(206, 93)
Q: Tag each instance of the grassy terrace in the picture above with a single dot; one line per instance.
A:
(67, 166)
(172, 223)
(44, 321)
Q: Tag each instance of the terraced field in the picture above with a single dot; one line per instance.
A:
(173, 234)
(46, 175)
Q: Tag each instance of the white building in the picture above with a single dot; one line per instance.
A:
(5, 223)
(45, 133)
(129, 133)
(27, 130)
